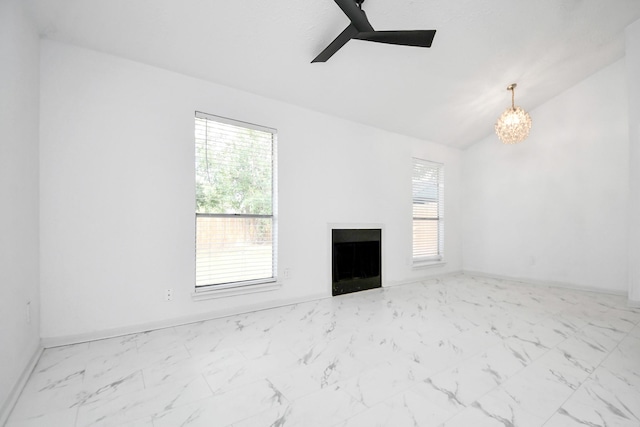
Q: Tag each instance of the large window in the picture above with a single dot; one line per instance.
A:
(428, 207)
(235, 203)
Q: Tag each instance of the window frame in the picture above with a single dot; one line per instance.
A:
(438, 259)
(241, 286)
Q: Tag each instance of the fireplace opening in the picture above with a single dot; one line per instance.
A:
(356, 260)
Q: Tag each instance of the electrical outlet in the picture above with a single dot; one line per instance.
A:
(28, 312)
(287, 273)
(168, 294)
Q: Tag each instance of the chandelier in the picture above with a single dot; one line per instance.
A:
(514, 124)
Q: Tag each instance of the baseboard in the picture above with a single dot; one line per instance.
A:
(547, 283)
(8, 405)
(419, 279)
(48, 342)
(633, 304)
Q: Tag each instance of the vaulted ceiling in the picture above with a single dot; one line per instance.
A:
(451, 93)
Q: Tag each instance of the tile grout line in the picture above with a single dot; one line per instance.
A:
(523, 368)
(609, 353)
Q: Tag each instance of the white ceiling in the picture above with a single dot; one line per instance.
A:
(451, 93)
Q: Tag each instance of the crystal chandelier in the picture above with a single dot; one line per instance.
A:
(514, 124)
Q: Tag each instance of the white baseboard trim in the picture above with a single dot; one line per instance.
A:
(8, 405)
(420, 279)
(547, 283)
(633, 304)
(48, 342)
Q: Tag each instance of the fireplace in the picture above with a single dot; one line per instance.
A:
(356, 260)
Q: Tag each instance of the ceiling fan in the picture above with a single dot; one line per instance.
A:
(361, 29)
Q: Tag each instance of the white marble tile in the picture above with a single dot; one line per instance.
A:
(47, 393)
(112, 366)
(621, 314)
(246, 372)
(296, 382)
(60, 367)
(207, 341)
(226, 408)
(421, 405)
(156, 366)
(69, 355)
(591, 345)
(562, 367)
(535, 391)
(98, 391)
(624, 361)
(478, 416)
(593, 405)
(272, 418)
(377, 346)
(514, 353)
(267, 346)
(339, 368)
(116, 410)
(141, 422)
(459, 350)
(164, 366)
(497, 405)
(380, 416)
(161, 339)
(326, 407)
(616, 320)
(50, 419)
(385, 380)
(619, 386)
(505, 326)
(191, 331)
(473, 377)
(447, 353)
(467, 382)
(615, 383)
(635, 332)
(549, 332)
(114, 347)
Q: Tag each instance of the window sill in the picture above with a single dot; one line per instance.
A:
(205, 294)
(428, 264)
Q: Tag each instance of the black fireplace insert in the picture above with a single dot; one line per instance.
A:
(356, 260)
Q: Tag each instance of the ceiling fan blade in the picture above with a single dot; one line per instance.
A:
(421, 38)
(346, 35)
(355, 14)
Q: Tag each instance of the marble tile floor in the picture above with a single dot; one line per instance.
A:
(455, 351)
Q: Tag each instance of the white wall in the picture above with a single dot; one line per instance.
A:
(117, 192)
(633, 83)
(553, 208)
(19, 79)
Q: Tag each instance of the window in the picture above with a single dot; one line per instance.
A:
(428, 207)
(235, 203)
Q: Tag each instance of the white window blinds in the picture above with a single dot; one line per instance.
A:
(428, 208)
(235, 202)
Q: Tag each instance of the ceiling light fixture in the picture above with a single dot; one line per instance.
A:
(514, 124)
